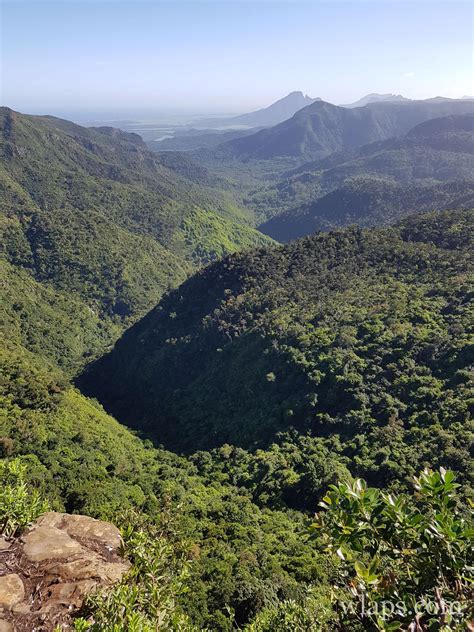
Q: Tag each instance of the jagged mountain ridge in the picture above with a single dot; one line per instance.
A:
(374, 97)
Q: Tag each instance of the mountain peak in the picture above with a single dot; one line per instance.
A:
(375, 97)
(297, 94)
(276, 113)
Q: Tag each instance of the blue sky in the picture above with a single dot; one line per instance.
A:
(226, 56)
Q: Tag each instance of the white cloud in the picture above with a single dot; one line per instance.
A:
(408, 75)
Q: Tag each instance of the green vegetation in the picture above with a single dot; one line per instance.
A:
(212, 237)
(52, 323)
(242, 558)
(19, 505)
(404, 562)
(101, 226)
(350, 349)
(396, 562)
(145, 599)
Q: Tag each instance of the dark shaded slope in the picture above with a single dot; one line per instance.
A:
(339, 334)
(369, 201)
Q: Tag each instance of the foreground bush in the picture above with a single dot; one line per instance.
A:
(404, 562)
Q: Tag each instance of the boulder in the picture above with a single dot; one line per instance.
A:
(91, 566)
(47, 572)
(85, 528)
(12, 590)
(49, 543)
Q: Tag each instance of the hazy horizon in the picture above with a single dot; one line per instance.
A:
(111, 59)
(164, 116)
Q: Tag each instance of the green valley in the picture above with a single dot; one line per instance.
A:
(236, 316)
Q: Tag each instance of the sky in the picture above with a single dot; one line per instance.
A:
(122, 58)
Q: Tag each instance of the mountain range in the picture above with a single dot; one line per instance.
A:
(322, 128)
(212, 132)
(430, 168)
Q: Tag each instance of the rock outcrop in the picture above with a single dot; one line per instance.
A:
(46, 573)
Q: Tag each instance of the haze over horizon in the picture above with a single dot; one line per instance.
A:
(83, 59)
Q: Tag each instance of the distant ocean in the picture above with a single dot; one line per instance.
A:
(148, 125)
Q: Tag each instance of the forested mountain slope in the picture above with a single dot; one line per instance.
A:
(242, 557)
(369, 201)
(358, 340)
(93, 214)
(54, 324)
(440, 148)
(322, 128)
(432, 165)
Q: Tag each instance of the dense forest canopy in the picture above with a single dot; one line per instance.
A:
(358, 340)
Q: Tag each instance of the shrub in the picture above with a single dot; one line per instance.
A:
(19, 504)
(145, 600)
(405, 562)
